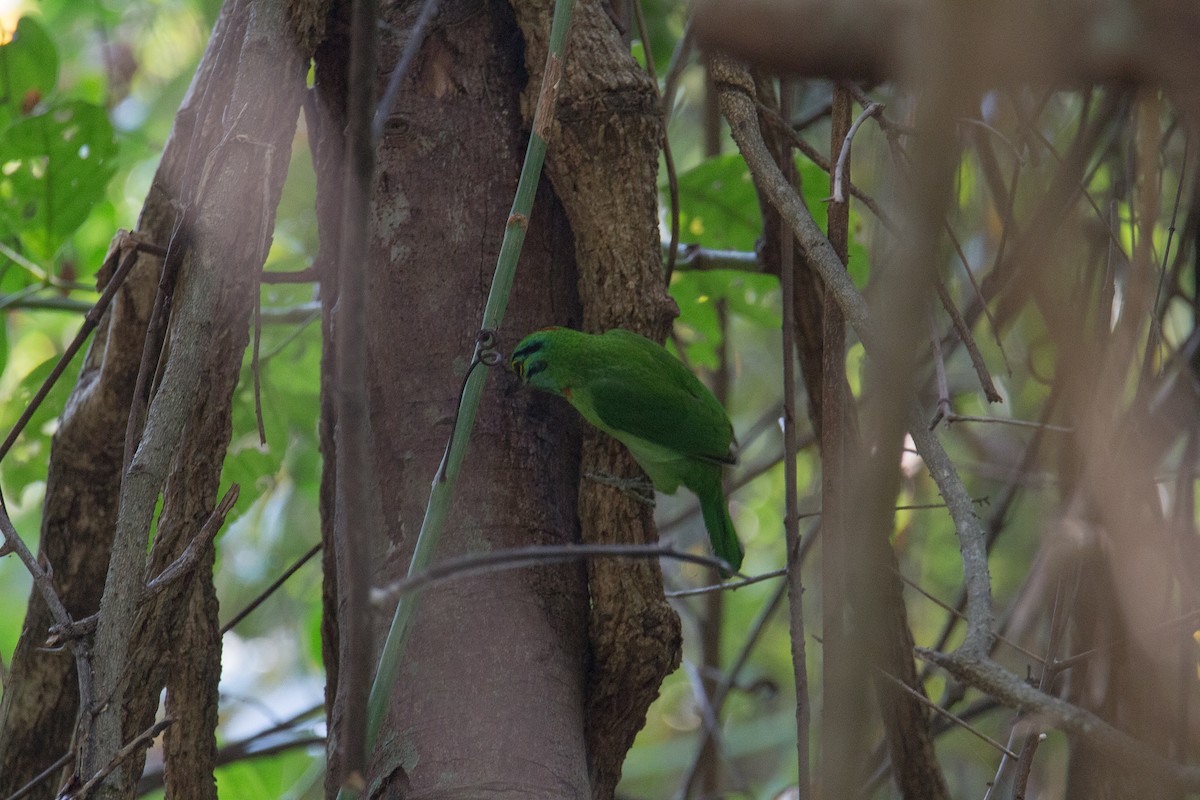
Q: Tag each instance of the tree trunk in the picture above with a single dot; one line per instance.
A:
(220, 175)
(492, 694)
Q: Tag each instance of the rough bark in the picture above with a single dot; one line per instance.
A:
(248, 121)
(79, 512)
(492, 696)
(603, 161)
(41, 697)
(235, 100)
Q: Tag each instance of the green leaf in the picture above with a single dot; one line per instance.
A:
(3, 343)
(718, 207)
(54, 167)
(752, 295)
(29, 66)
(27, 461)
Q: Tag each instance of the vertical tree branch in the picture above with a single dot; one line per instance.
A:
(845, 706)
(791, 519)
(355, 524)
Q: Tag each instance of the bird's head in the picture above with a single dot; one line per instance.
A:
(532, 357)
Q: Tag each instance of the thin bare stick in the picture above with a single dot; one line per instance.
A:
(141, 741)
(518, 557)
(85, 675)
(278, 582)
(306, 275)
(1161, 628)
(939, 371)
(814, 155)
(42, 776)
(965, 336)
(13, 543)
(256, 369)
(925, 701)
(712, 740)
(668, 159)
(839, 172)
(1011, 690)
(729, 680)
(728, 586)
(695, 257)
(683, 48)
(791, 449)
(952, 610)
(191, 554)
(1020, 423)
(24, 263)
(252, 746)
(416, 37)
(893, 130)
(129, 246)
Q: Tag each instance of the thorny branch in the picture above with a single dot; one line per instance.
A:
(737, 93)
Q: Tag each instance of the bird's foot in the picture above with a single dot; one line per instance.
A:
(639, 489)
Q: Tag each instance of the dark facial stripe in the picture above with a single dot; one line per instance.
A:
(527, 350)
(533, 369)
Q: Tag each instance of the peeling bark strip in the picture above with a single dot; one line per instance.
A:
(252, 76)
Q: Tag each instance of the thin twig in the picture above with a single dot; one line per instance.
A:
(306, 275)
(247, 748)
(952, 610)
(712, 740)
(42, 776)
(729, 680)
(695, 257)
(953, 417)
(416, 37)
(311, 317)
(1162, 627)
(25, 264)
(142, 740)
(256, 369)
(518, 557)
(839, 172)
(124, 243)
(939, 371)
(668, 159)
(188, 559)
(965, 336)
(728, 586)
(791, 449)
(1122, 749)
(679, 57)
(925, 701)
(1058, 622)
(278, 582)
(85, 675)
(13, 543)
(893, 131)
(815, 156)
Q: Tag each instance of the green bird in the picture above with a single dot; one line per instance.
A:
(638, 393)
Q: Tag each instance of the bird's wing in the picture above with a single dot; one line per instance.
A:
(664, 412)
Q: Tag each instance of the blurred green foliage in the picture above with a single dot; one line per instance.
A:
(90, 97)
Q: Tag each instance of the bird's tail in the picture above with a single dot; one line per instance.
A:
(724, 539)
